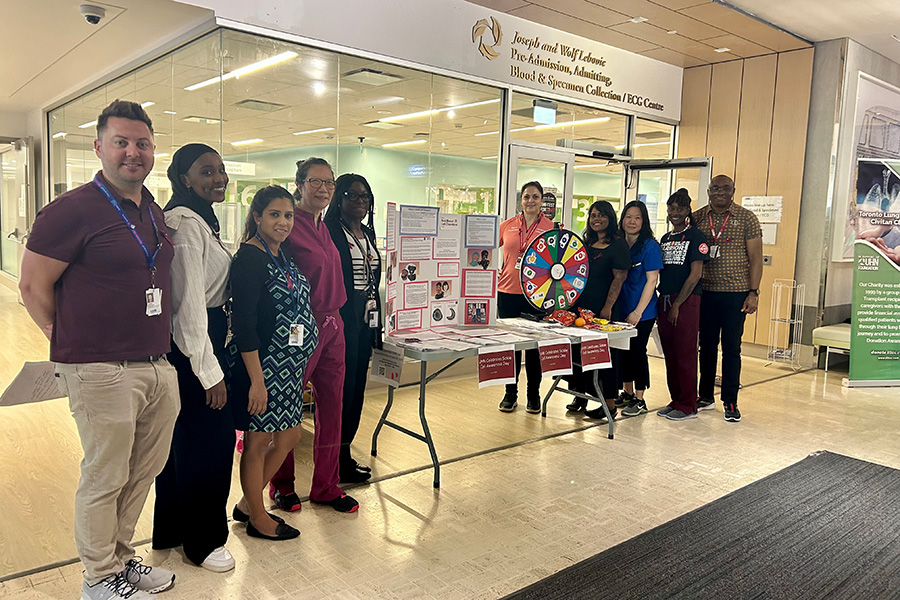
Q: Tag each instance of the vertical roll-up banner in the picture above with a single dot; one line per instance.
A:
(875, 337)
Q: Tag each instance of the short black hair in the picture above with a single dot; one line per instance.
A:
(123, 109)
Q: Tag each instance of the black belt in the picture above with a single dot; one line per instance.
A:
(153, 358)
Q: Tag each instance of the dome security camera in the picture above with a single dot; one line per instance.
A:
(92, 14)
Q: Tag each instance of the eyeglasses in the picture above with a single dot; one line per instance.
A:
(714, 189)
(354, 196)
(317, 183)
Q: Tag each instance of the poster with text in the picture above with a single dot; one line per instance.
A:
(419, 220)
(391, 226)
(556, 357)
(496, 366)
(875, 329)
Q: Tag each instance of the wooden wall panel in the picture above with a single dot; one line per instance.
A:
(755, 130)
(724, 116)
(694, 112)
(786, 158)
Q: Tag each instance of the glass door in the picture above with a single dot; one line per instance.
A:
(551, 167)
(653, 181)
(16, 203)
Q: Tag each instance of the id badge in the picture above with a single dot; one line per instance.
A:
(154, 301)
(519, 263)
(295, 337)
(714, 251)
(371, 314)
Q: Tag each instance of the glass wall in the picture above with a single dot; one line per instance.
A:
(418, 137)
(265, 104)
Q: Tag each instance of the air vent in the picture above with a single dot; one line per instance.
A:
(653, 135)
(205, 120)
(368, 76)
(261, 105)
(382, 124)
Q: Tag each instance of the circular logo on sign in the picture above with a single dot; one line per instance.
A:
(704, 249)
(494, 35)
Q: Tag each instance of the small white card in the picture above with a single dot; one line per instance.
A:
(154, 301)
(295, 337)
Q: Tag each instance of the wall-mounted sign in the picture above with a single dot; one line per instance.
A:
(234, 167)
(471, 40)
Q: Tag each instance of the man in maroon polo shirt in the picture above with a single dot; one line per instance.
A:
(95, 278)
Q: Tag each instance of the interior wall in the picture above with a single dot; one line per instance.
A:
(750, 116)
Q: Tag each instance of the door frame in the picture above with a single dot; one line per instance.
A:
(517, 150)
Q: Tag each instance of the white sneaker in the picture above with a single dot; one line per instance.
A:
(114, 587)
(219, 560)
(147, 578)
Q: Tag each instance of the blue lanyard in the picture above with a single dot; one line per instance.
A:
(151, 258)
(288, 275)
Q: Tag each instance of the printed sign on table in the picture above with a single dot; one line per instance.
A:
(496, 366)
(387, 365)
(556, 357)
(595, 353)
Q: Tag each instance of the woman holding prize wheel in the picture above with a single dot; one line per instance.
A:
(610, 262)
(515, 236)
(637, 304)
(352, 203)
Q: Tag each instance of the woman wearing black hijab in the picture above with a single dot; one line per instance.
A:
(192, 491)
(351, 203)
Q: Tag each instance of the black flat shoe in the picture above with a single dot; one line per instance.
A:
(363, 468)
(577, 405)
(343, 503)
(354, 476)
(282, 532)
(242, 517)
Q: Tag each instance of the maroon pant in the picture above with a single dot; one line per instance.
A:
(680, 348)
(326, 371)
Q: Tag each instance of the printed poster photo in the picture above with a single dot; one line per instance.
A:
(441, 289)
(476, 312)
(409, 271)
(479, 257)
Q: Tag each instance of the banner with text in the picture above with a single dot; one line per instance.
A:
(556, 357)
(595, 353)
(496, 366)
(875, 330)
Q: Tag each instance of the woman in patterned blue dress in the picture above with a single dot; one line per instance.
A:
(275, 333)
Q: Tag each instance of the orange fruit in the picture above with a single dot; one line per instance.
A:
(580, 322)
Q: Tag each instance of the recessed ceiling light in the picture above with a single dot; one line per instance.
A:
(314, 131)
(56, 136)
(169, 112)
(160, 155)
(147, 104)
(244, 70)
(896, 37)
(318, 87)
(638, 19)
(489, 157)
(425, 113)
(247, 142)
(720, 50)
(86, 125)
(409, 143)
(672, 31)
(205, 120)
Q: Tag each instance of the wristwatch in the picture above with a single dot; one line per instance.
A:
(756, 291)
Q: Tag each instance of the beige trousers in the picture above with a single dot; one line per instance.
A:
(125, 413)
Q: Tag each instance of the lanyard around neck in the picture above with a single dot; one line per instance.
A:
(370, 275)
(523, 242)
(150, 258)
(712, 231)
(288, 274)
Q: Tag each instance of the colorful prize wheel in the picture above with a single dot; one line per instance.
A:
(554, 270)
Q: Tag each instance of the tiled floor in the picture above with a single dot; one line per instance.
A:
(504, 519)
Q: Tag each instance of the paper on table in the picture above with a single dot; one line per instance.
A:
(510, 338)
(36, 382)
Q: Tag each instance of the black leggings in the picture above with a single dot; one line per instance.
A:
(513, 305)
(635, 366)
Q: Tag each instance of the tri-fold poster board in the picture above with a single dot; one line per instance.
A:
(441, 268)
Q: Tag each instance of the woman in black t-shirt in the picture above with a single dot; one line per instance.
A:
(684, 251)
(609, 264)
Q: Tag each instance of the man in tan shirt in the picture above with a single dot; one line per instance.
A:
(730, 290)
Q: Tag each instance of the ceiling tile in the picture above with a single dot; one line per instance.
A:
(551, 18)
(674, 58)
(739, 24)
(680, 4)
(583, 10)
(663, 17)
(738, 45)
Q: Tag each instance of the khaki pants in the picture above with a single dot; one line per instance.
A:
(125, 413)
